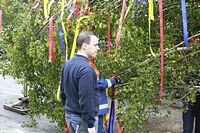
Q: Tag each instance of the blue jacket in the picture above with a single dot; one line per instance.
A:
(102, 85)
(78, 89)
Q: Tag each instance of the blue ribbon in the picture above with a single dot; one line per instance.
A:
(134, 8)
(112, 113)
(69, 6)
(60, 33)
(143, 2)
(112, 117)
(184, 19)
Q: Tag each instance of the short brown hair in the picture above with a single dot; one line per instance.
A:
(84, 37)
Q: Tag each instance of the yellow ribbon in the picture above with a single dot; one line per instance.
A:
(73, 47)
(63, 27)
(62, 7)
(46, 9)
(128, 9)
(49, 6)
(58, 94)
(151, 17)
(65, 38)
(76, 35)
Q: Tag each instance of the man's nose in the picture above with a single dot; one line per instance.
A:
(98, 47)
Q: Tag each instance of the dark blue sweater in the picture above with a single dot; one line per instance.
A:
(78, 87)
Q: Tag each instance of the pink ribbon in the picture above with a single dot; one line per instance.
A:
(52, 55)
(120, 24)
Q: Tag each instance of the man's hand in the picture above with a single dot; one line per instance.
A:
(92, 130)
(118, 80)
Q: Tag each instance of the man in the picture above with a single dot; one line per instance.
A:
(79, 92)
(192, 114)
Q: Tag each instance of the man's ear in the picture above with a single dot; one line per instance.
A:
(84, 46)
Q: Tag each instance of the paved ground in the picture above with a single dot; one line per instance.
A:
(11, 122)
(163, 124)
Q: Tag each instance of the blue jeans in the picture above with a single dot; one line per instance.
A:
(191, 115)
(76, 124)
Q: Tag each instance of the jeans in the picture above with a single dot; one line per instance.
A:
(191, 115)
(76, 124)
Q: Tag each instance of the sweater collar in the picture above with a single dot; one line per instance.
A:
(81, 56)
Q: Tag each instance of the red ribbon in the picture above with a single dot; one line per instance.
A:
(118, 127)
(91, 62)
(78, 9)
(161, 49)
(52, 55)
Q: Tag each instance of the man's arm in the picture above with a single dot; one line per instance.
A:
(106, 83)
(87, 86)
(62, 93)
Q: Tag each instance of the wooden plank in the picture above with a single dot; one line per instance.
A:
(17, 109)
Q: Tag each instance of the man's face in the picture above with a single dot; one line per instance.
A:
(92, 48)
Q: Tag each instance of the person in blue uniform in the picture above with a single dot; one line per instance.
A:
(102, 85)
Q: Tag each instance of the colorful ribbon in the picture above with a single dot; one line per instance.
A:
(134, 8)
(120, 24)
(161, 49)
(151, 17)
(58, 94)
(60, 33)
(91, 62)
(46, 9)
(128, 9)
(112, 113)
(184, 19)
(76, 35)
(49, 6)
(143, 2)
(69, 6)
(62, 8)
(118, 127)
(52, 55)
(72, 10)
(151, 13)
(77, 28)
